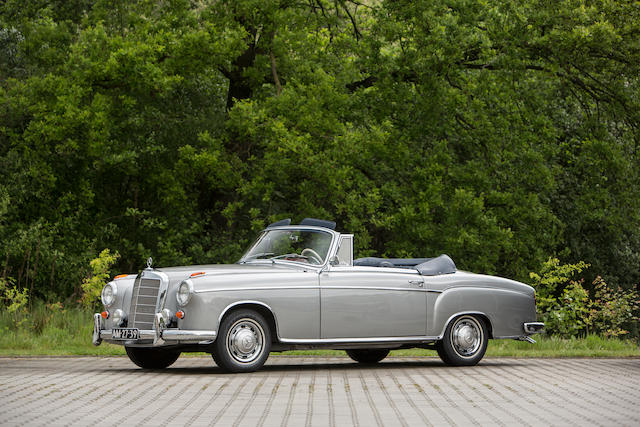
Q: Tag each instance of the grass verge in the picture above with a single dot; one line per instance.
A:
(57, 332)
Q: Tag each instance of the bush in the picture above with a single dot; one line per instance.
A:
(612, 309)
(14, 300)
(92, 286)
(567, 310)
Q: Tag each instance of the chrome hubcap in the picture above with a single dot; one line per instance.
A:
(466, 336)
(245, 340)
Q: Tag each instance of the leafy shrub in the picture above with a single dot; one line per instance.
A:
(611, 309)
(92, 286)
(14, 300)
(567, 310)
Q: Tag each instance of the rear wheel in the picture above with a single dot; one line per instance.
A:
(464, 342)
(368, 356)
(152, 358)
(243, 343)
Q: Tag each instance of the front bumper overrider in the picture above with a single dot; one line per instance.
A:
(157, 336)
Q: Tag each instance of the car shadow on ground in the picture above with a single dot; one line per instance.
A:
(320, 365)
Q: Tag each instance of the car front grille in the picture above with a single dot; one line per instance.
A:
(143, 303)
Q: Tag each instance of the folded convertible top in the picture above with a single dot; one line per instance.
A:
(425, 266)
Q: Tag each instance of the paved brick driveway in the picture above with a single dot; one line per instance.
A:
(318, 391)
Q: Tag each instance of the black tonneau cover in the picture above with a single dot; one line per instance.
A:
(425, 266)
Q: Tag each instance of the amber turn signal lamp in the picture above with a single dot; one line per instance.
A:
(197, 274)
(105, 314)
(180, 314)
(119, 276)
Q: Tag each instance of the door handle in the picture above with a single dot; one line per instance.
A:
(419, 283)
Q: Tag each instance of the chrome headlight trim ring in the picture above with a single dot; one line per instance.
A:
(109, 294)
(185, 292)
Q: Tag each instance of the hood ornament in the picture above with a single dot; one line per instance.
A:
(149, 262)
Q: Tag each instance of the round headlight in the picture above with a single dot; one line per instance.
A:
(116, 317)
(109, 293)
(185, 290)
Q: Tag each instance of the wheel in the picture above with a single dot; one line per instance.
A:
(368, 356)
(152, 358)
(464, 342)
(243, 343)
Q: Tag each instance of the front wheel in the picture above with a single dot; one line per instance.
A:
(464, 342)
(152, 358)
(243, 343)
(368, 356)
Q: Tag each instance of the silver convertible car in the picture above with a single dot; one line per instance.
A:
(298, 287)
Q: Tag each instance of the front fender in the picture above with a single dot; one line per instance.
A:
(123, 298)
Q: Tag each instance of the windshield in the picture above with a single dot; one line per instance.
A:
(307, 246)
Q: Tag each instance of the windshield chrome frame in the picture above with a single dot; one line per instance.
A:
(330, 252)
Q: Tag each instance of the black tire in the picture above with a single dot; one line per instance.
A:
(152, 358)
(368, 356)
(464, 342)
(243, 343)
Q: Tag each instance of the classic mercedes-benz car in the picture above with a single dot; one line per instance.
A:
(298, 286)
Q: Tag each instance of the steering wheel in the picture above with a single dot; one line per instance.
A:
(313, 255)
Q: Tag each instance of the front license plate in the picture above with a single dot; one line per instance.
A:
(125, 334)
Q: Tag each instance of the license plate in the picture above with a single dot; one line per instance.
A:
(125, 334)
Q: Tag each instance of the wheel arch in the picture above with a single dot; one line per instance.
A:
(257, 306)
(483, 316)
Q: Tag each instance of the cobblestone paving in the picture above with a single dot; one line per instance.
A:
(299, 391)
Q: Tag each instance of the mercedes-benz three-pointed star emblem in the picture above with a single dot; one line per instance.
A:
(149, 262)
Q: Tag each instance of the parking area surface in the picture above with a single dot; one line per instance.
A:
(320, 391)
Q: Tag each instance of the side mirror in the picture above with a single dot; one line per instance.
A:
(334, 260)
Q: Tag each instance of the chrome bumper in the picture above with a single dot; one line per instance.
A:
(533, 327)
(158, 336)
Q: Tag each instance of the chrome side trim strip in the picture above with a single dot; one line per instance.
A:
(272, 288)
(373, 340)
(374, 288)
(256, 288)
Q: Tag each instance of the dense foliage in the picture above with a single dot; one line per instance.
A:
(499, 132)
(567, 310)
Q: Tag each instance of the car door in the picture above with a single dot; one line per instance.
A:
(368, 302)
